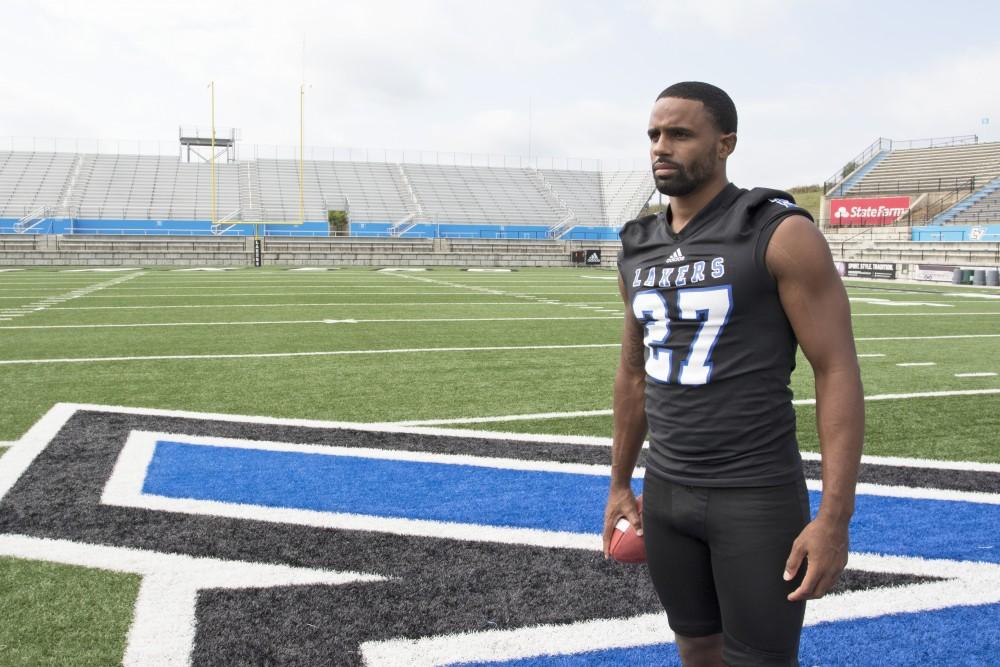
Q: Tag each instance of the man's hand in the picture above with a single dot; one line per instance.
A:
(824, 543)
(621, 503)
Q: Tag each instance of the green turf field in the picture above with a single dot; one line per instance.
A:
(362, 345)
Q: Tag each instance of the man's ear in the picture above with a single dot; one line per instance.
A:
(727, 144)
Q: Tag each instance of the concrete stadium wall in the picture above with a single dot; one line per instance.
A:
(75, 250)
(93, 250)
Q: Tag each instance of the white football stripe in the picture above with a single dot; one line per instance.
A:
(968, 584)
(163, 625)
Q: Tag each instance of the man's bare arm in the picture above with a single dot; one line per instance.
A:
(816, 304)
(629, 425)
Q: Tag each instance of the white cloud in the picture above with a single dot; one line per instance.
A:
(457, 76)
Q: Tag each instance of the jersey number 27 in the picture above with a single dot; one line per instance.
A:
(709, 305)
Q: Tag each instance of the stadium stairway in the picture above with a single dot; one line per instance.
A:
(970, 201)
(844, 187)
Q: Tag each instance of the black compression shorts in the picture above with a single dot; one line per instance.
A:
(716, 557)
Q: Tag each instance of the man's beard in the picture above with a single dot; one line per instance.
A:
(685, 180)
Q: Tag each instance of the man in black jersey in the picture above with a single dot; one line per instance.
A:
(719, 290)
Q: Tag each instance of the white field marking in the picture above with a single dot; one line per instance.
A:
(504, 645)
(9, 270)
(917, 363)
(34, 441)
(975, 375)
(505, 418)
(74, 294)
(381, 304)
(938, 314)
(889, 302)
(600, 277)
(534, 297)
(951, 337)
(400, 270)
(206, 268)
(108, 270)
(324, 353)
(973, 295)
(867, 356)
(488, 270)
(143, 443)
(965, 584)
(310, 293)
(607, 412)
(124, 489)
(163, 624)
(328, 321)
(314, 268)
(919, 493)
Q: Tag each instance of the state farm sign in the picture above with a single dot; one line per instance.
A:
(871, 211)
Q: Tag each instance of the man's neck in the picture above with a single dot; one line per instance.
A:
(683, 209)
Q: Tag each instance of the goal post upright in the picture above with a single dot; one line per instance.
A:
(302, 135)
(215, 216)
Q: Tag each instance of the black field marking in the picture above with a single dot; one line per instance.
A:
(933, 478)
(435, 586)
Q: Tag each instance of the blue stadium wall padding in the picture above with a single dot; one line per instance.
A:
(987, 233)
(461, 231)
(162, 227)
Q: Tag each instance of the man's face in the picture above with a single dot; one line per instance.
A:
(685, 147)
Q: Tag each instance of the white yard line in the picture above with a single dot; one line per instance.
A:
(607, 412)
(48, 302)
(917, 363)
(547, 300)
(975, 375)
(310, 293)
(937, 314)
(377, 304)
(324, 353)
(948, 337)
(323, 321)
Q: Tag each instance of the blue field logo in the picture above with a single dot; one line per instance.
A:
(289, 541)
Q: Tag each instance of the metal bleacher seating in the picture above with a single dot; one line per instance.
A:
(938, 169)
(482, 195)
(151, 187)
(986, 210)
(95, 186)
(624, 194)
(29, 180)
(580, 191)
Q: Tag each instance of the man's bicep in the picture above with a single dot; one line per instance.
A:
(811, 292)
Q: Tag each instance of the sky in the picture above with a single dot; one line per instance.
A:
(814, 82)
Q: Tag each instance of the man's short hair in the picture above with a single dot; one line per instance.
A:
(718, 104)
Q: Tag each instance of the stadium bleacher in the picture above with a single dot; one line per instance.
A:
(126, 187)
(928, 169)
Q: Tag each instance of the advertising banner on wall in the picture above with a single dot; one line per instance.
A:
(881, 270)
(867, 211)
(941, 273)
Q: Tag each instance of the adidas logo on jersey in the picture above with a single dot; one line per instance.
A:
(676, 256)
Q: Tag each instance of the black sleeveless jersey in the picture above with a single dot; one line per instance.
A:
(719, 348)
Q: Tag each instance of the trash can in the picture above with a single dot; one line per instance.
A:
(979, 277)
(993, 277)
(956, 277)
